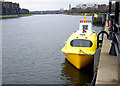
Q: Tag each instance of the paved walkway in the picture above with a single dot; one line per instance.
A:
(108, 65)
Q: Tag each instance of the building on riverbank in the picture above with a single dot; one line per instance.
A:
(9, 8)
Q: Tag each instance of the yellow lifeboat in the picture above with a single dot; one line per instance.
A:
(80, 47)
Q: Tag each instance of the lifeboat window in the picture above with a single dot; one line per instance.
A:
(81, 43)
(85, 27)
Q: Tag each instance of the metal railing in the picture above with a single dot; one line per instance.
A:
(115, 41)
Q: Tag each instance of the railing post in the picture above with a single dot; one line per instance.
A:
(111, 27)
(109, 11)
(116, 11)
(103, 19)
(110, 6)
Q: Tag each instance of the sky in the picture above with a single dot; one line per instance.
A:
(38, 5)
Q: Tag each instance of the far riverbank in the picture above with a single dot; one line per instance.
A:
(88, 14)
(13, 16)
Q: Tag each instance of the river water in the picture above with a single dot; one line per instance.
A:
(32, 54)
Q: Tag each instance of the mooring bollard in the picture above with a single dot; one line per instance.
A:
(100, 41)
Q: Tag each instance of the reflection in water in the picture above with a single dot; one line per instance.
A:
(71, 75)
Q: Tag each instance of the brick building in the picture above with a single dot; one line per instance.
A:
(9, 8)
(0, 7)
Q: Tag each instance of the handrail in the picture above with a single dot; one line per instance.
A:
(115, 36)
(117, 26)
(117, 50)
(118, 39)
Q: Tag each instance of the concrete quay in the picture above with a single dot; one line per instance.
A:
(107, 74)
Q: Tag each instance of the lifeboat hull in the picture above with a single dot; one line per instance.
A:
(79, 61)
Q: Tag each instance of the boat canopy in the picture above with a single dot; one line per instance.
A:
(85, 25)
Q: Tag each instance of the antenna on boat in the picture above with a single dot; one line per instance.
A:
(85, 17)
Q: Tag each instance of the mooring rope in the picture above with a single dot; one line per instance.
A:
(86, 53)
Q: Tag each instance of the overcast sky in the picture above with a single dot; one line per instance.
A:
(34, 5)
